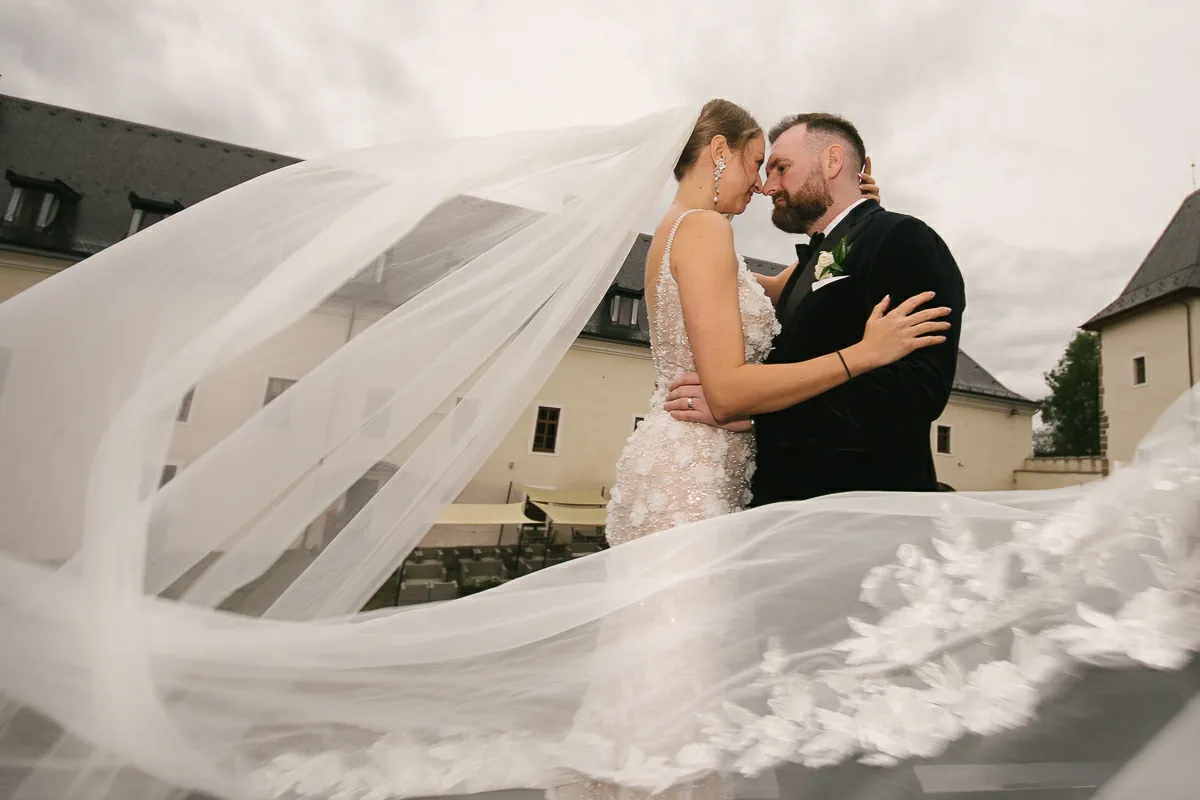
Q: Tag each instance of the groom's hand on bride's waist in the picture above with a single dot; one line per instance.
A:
(687, 404)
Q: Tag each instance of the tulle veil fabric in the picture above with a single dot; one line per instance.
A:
(880, 627)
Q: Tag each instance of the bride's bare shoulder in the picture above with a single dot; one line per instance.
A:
(704, 223)
(704, 236)
(690, 226)
(698, 234)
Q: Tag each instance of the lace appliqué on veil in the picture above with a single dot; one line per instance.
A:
(905, 686)
(902, 692)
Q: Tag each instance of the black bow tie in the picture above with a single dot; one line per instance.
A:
(804, 252)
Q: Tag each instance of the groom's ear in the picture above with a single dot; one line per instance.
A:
(835, 161)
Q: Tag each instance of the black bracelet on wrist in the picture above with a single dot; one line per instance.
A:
(842, 358)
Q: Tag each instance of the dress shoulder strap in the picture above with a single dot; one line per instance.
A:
(671, 237)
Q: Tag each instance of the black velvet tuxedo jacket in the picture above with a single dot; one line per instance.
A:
(872, 432)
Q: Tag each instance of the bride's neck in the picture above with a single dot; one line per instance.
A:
(695, 192)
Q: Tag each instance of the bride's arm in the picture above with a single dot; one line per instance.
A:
(705, 269)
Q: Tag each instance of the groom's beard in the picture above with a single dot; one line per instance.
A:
(803, 207)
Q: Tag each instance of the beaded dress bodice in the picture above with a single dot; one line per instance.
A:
(673, 472)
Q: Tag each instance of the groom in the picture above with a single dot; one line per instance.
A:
(872, 432)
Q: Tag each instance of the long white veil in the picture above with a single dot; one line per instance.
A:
(491, 255)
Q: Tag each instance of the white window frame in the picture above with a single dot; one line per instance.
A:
(557, 430)
(136, 222)
(614, 305)
(1145, 370)
(936, 439)
(14, 203)
(47, 212)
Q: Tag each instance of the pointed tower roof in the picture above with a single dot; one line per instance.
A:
(1172, 267)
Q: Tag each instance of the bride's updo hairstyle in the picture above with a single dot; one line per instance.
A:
(717, 118)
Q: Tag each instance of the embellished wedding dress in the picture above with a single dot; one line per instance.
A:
(673, 472)
(669, 474)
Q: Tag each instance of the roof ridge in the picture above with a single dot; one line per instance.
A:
(1169, 266)
(1179, 212)
(146, 127)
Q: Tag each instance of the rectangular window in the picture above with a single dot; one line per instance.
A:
(1139, 371)
(148, 211)
(31, 208)
(276, 387)
(545, 430)
(168, 473)
(623, 310)
(185, 408)
(944, 440)
(143, 218)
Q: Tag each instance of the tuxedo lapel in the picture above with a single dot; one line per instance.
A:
(797, 287)
(790, 301)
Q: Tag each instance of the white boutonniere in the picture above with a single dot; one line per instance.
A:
(832, 264)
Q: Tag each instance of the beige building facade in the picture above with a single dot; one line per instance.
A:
(988, 439)
(1149, 344)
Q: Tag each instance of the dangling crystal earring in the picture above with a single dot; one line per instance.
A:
(717, 180)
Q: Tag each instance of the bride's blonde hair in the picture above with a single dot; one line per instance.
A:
(717, 118)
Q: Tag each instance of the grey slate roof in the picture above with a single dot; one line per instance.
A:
(971, 378)
(1172, 267)
(104, 160)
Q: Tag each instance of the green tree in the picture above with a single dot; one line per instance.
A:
(1071, 412)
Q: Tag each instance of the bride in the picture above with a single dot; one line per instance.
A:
(870, 626)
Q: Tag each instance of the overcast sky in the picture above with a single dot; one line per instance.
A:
(1048, 142)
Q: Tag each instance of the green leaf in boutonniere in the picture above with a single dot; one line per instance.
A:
(840, 252)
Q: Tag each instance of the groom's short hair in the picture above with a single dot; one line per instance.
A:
(829, 124)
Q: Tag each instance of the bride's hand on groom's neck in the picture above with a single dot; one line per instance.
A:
(866, 183)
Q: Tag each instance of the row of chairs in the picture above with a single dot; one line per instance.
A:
(431, 575)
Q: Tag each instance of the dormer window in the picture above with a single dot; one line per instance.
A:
(623, 309)
(36, 204)
(147, 212)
